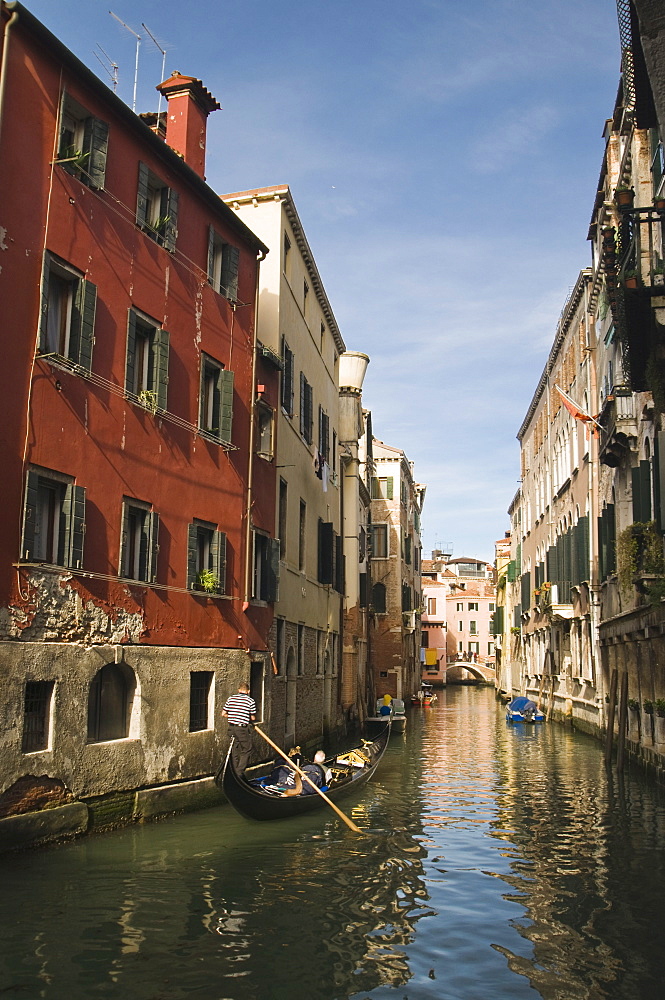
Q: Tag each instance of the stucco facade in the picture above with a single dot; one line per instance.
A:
(297, 326)
(131, 484)
(396, 594)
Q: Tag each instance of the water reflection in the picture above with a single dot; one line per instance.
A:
(498, 862)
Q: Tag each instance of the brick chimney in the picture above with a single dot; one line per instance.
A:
(189, 104)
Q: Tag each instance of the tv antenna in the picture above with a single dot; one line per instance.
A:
(159, 106)
(110, 66)
(138, 46)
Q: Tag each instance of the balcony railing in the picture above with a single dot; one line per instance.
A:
(640, 249)
(619, 426)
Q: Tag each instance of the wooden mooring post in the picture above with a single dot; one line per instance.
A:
(623, 718)
(609, 735)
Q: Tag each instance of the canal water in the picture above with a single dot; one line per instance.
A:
(497, 862)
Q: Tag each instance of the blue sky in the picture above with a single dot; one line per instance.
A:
(443, 156)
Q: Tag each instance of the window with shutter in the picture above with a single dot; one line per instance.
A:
(215, 400)
(326, 552)
(157, 208)
(266, 568)
(223, 265)
(67, 314)
(147, 362)
(206, 558)
(288, 375)
(139, 541)
(53, 520)
(306, 409)
(83, 143)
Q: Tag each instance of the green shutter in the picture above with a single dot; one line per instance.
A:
(218, 550)
(95, 142)
(641, 483)
(171, 225)
(73, 508)
(229, 278)
(374, 488)
(192, 554)
(43, 311)
(226, 404)
(29, 515)
(82, 329)
(659, 480)
(389, 488)
(272, 571)
(211, 257)
(124, 548)
(142, 195)
(130, 367)
(160, 347)
(153, 530)
(326, 550)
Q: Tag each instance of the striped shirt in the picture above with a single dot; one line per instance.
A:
(239, 708)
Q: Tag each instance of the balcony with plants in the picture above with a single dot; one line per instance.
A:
(633, 258)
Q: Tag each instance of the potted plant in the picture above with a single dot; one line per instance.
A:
(659, 705)
(659, 202)
(207, 581)
(624, 196)
(631, 278)
(648, 706)
(658, 272)
(633, 704)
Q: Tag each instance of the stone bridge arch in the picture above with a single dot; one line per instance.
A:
(479, 670)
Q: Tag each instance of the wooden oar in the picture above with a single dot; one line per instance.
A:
(351, 825)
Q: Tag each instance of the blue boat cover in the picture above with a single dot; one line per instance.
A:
(519, 704)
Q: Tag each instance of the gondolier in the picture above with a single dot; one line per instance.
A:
(240, 710)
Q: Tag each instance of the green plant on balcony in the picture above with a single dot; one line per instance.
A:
(624, 195)
(515, 630)
(632, 278)
(73, 159)
(659, 705)
(648, 706)
(147, 398)
(633, 705)
(207, 581)
(639, 551)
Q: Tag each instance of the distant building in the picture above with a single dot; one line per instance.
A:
(396, 596)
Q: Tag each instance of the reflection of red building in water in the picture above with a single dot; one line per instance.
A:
(459, 600)
(137, 567)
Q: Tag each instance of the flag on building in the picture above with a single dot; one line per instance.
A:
(575, 411)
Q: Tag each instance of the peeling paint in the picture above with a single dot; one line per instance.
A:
(3, 234)
(56, 611)
(198, 312)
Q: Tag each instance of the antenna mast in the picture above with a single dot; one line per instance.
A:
(110, 66)
(159, 106)
(138, 45)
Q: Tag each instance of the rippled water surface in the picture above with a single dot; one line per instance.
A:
(497, 862)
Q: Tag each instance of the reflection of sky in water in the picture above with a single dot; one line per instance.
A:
(499, 862)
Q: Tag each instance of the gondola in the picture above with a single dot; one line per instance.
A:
(350, 771)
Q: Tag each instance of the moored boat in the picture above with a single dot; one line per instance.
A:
(523, 710)
(256, 798)
(397, 716)
(426, 696)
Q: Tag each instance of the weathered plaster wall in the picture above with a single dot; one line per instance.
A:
(160, 747)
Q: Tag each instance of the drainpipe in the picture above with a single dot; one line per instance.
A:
(3, 69)
(250, 462)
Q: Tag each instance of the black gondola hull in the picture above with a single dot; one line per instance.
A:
(253, 803)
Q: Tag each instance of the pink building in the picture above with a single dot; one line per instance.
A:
(459, 598)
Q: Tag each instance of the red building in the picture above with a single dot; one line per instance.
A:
(136, 558)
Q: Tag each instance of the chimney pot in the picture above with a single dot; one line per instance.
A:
(189, 104)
